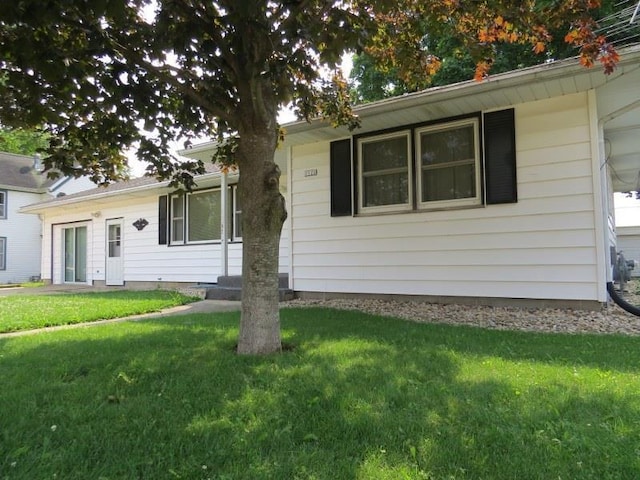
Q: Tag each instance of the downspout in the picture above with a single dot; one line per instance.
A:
(600, 198)
(289, 200)
(51, 246)
(224, 240)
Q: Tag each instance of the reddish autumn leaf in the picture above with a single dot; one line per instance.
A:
(539, 47)
(478, 26)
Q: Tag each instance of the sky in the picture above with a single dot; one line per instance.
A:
(627, 210)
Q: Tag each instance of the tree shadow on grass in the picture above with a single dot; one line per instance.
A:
(610, 352)
(359, 397)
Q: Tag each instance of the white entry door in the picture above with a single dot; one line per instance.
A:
(115, 258)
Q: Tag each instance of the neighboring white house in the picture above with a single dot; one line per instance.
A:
(477, 192)
(23, 183)
(628, 227)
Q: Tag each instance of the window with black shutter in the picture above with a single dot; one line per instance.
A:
(452, 169)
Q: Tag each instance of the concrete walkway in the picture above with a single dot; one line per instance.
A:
(202, 306)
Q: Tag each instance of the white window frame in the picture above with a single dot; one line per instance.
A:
(3, 204)
(3, 253)
(399, 207)
(458, 202)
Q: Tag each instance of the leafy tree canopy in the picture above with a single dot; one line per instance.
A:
(455, 62)
(96, 71)
(21, 141)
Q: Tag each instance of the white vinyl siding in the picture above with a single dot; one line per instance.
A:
(543, 247)
(23, 236)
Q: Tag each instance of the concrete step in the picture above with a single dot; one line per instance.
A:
(230, 288)
(223, 293)
(235, 281)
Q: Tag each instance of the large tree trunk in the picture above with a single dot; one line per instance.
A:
(263, 214)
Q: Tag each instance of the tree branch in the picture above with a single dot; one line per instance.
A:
(230, 61)
(217, 108)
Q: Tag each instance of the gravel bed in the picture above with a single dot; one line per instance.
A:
(610, 320)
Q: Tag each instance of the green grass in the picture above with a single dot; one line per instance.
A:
(25, 312)
(360, 397)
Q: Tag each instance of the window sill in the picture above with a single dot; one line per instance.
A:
(212, 242)
(442, 208)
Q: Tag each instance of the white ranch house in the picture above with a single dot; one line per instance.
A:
(490, 192)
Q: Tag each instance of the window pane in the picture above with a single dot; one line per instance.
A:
(177, 219)
(114, 241)
(237, 215)
(385, 171)
(69, 255)
(177, 230)
(177, 206)
(3, 203)
(448, 183)
(204, 216)
(448, 163)
(81, 254)
(75, 254)
(384, 154)
(447, 145)
(238, 225)
(390, 189)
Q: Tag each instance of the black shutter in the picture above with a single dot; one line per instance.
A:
(500, 157)
(341, 178)
(163, 203)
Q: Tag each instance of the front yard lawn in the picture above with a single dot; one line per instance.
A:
(359, 397)
(26, 312)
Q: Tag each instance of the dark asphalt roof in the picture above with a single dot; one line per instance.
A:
(17, 171)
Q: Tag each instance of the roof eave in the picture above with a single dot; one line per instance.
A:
(15, 188)
(533, 74)
(62, 201)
